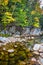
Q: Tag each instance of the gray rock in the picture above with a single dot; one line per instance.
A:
(1, 44)
(41, 60)
(2, 32)
(41, 48)
(23, 39)
(17, 36)
(33, 59)
(41, 44)
(6, 32)
(12, 39)
(5, 40)
(26, 31)
(36, 52)
(35, 31)
(17, 33)
(19, 39)
(42, 41)
(11, 50)
(36, 47)
(41, 54)
(32, 37)
(12, 29)
(38, 62)
(41, 32)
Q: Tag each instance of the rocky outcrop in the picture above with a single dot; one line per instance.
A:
(38, 50)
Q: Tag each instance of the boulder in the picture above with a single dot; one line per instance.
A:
(36, 47)
(12, 29)
(12, 39)
(4, 40)
(41, 48)
(41, 54)
(11, 50)
(26, 30)
(33, 59)
(41, 60)
(36, 52)
(35, 31)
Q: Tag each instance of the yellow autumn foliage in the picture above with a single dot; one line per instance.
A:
(22, 63)
(36, 19)
(36, 24)
(8, 13)
(16, 0)
(7, 18)
(11, 19)
(33, 12)
(5, 2)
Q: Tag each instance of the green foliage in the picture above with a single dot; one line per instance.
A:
(41, 21)
(36, 17)
(21, 18)
(5, 35)
(19, 11)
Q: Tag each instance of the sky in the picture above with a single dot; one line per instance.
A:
(41, 5)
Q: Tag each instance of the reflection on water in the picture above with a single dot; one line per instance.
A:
(7, 63)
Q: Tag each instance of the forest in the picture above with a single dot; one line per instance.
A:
(21, 13)
(21, 32)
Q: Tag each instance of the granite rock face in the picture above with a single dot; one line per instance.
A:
(36, 47)
(41, 60)
(4, 40)
(41, 48)
(26, 31)
(12, 29)
(35, 31)
(38, 50)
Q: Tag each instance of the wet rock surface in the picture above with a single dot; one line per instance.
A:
(4, 40)
(17, 53)
(36, 49)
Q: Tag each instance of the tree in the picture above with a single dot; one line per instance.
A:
(21, 12)
(41, 21)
